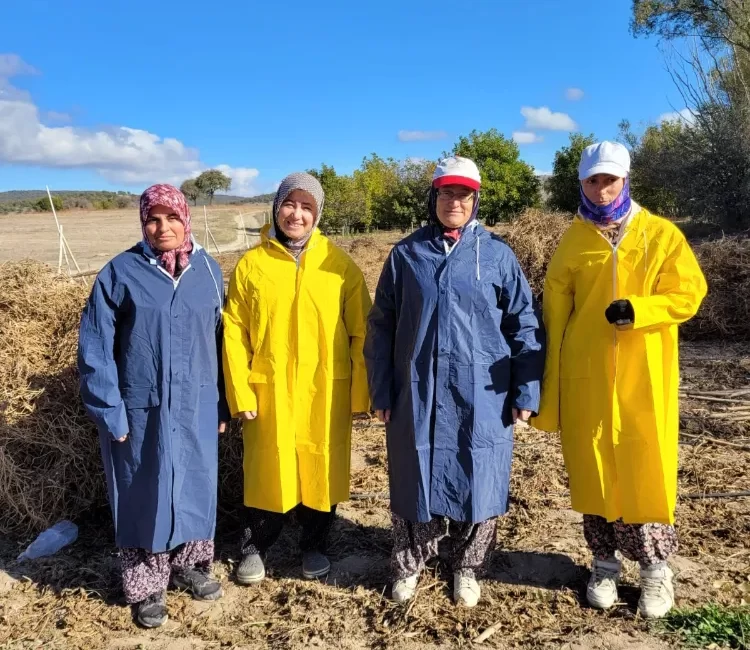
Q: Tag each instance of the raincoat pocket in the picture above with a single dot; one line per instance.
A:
(140, 397)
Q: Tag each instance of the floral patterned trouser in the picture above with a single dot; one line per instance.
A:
(414, 544)
(647, 544)
(145, 573)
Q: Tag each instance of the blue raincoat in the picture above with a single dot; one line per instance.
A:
(453, 344)
(149, 358)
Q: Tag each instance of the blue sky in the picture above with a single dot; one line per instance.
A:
(118, 95)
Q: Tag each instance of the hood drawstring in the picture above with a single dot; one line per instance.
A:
(218, 293)
(479, 277)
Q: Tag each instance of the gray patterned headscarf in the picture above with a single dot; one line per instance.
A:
(297, 181)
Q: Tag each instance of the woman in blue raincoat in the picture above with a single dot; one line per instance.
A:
(454, 358)
(149, 360)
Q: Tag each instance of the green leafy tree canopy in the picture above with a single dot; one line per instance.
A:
(509, 185)
(563, 186)
(212, 181)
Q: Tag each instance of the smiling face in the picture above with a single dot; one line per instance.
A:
(602, 189)
(163, 228)
(455, 203)
(297, 214)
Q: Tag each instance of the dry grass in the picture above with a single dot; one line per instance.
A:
(726, 310)
(50, 468)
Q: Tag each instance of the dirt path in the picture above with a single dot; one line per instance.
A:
(97, 236)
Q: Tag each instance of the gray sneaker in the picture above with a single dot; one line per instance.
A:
(251, 570)
(199, 583)
(315, 565)
(152, 612)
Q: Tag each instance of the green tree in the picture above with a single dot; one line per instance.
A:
(378, 178)
(509, 185)
(212, 181)
(190, 189)
(563, 185)
(42, 205)
(344, 200)
(408, 202)
(719, 24)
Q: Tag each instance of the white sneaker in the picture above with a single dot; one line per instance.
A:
(602, 588)
(403, 590)
(466, 590)
(657, 592)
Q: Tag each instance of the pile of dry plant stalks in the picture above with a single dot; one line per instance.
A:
(534, 237)
(50, 466)
(725, 313)
(49, 459)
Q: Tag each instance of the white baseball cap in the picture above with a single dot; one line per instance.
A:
(604, 158)
(457, 170)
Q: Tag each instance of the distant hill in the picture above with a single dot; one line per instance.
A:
(36, 200)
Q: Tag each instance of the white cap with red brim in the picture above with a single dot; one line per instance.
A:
(457, 171)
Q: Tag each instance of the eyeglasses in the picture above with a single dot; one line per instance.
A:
(461, 197)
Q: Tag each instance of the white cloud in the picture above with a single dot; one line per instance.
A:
(120, 154)
(544, 118)
(685, 115)
(421, 136)
(243, 179)
(574, 94)
(527, 137)
(56, 117)
(11, 65)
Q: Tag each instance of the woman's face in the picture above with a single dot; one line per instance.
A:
(297, 214)
(602, 189)
(455, 204)
(164, 229)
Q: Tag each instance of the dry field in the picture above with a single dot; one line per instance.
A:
(96, 236)
(533, 596)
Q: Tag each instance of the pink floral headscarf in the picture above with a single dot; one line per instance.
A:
(172, 198)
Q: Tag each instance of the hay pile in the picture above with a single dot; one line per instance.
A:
(725, 314)
(50, 465)
(534, 236)
(49, 462)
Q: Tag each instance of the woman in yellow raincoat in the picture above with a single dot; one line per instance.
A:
(618, 286)
(294, 329)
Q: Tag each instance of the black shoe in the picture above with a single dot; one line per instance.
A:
(152, 612)
(199, 583)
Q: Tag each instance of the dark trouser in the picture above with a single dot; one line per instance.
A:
(145, 574)
(264, 527)
(647, 544)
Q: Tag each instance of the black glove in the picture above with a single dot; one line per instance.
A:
(620, 312)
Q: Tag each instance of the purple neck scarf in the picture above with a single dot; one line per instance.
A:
(606, 214)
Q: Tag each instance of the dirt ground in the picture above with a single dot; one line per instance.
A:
(533, 593)
(533, 596)
(96, 236)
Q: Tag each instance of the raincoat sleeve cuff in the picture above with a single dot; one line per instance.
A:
(248, 403)
(117, 422)
(360, 402)
(527, 397)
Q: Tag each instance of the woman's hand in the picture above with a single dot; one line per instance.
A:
(223, 427)
(383, 415)
(248, 415)
(521, 414)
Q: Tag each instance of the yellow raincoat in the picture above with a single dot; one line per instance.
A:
(293, 339)
(612, 391)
